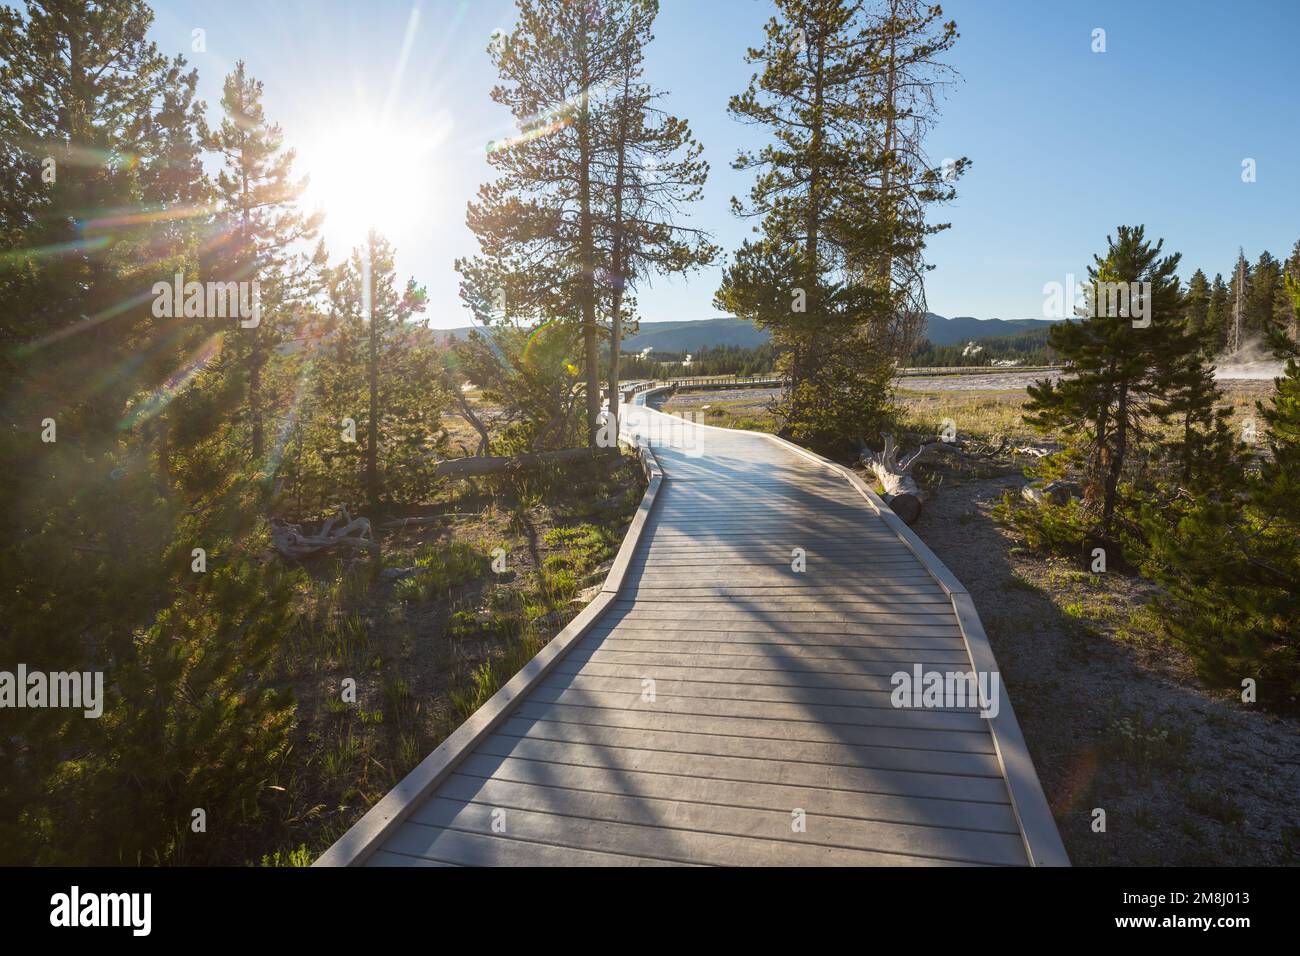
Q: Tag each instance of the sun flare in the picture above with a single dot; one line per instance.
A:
(367, 173)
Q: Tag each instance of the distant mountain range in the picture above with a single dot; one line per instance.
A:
(695, 335)
(691, 336)
(964, 328)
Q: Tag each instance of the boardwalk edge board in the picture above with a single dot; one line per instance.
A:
(385, 817)
(1028, 802)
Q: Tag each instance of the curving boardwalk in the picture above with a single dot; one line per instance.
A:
(716, 705)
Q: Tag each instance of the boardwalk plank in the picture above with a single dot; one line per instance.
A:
(955, 814)
(818, 776)
(658, 843)
(790, 730)
(707, 819)
(759, 748)
(723, 707)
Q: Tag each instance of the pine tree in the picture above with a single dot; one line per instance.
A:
(1218, 316)
(1264, 293)
(841, 195)
(388, 311)
(1116, 366)
(653, 172)
(193, 717)
(1196, 307)
(264, 226)
(1231, 564)
(80, 80)
(1236, 325)
(537, 222)
(529, 375)
(97, 560)
(1288, 315)
(77, 341)
(1203, 451)
(911, 37)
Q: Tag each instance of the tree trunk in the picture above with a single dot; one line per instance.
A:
(255, 399)
(615, 343)
(1117, 460)
(255, 349)
(900, 490)
(891, 127)
(372, 429)
(467, 413)
(586, 252)
(618, 267)
(809, 356)
(289, 540)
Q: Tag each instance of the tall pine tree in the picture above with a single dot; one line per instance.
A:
(537, 222)
(840, 194)
(262, 229)
(1116, 367)
(653, 172)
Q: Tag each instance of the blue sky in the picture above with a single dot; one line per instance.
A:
(1066, 143)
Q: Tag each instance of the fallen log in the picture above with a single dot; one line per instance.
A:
(455, 469)
(290, 541)
(901, 492)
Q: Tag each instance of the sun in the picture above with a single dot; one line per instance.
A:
(367, 173)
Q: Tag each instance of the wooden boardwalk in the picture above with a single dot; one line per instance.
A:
(721, 705)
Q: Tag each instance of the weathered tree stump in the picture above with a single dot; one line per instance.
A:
(901, 492)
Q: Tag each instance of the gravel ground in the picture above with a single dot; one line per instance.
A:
(989, 382)
(1115, 719)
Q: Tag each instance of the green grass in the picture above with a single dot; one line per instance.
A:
(1142, 626)
(479, 624)
(1045, 527)
(1145, 745)
(983, 415)
(486, 679)
(341, 758)
(493, 625)
(580, 548)
(299, 857)
(442, 569)
(330, 626)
